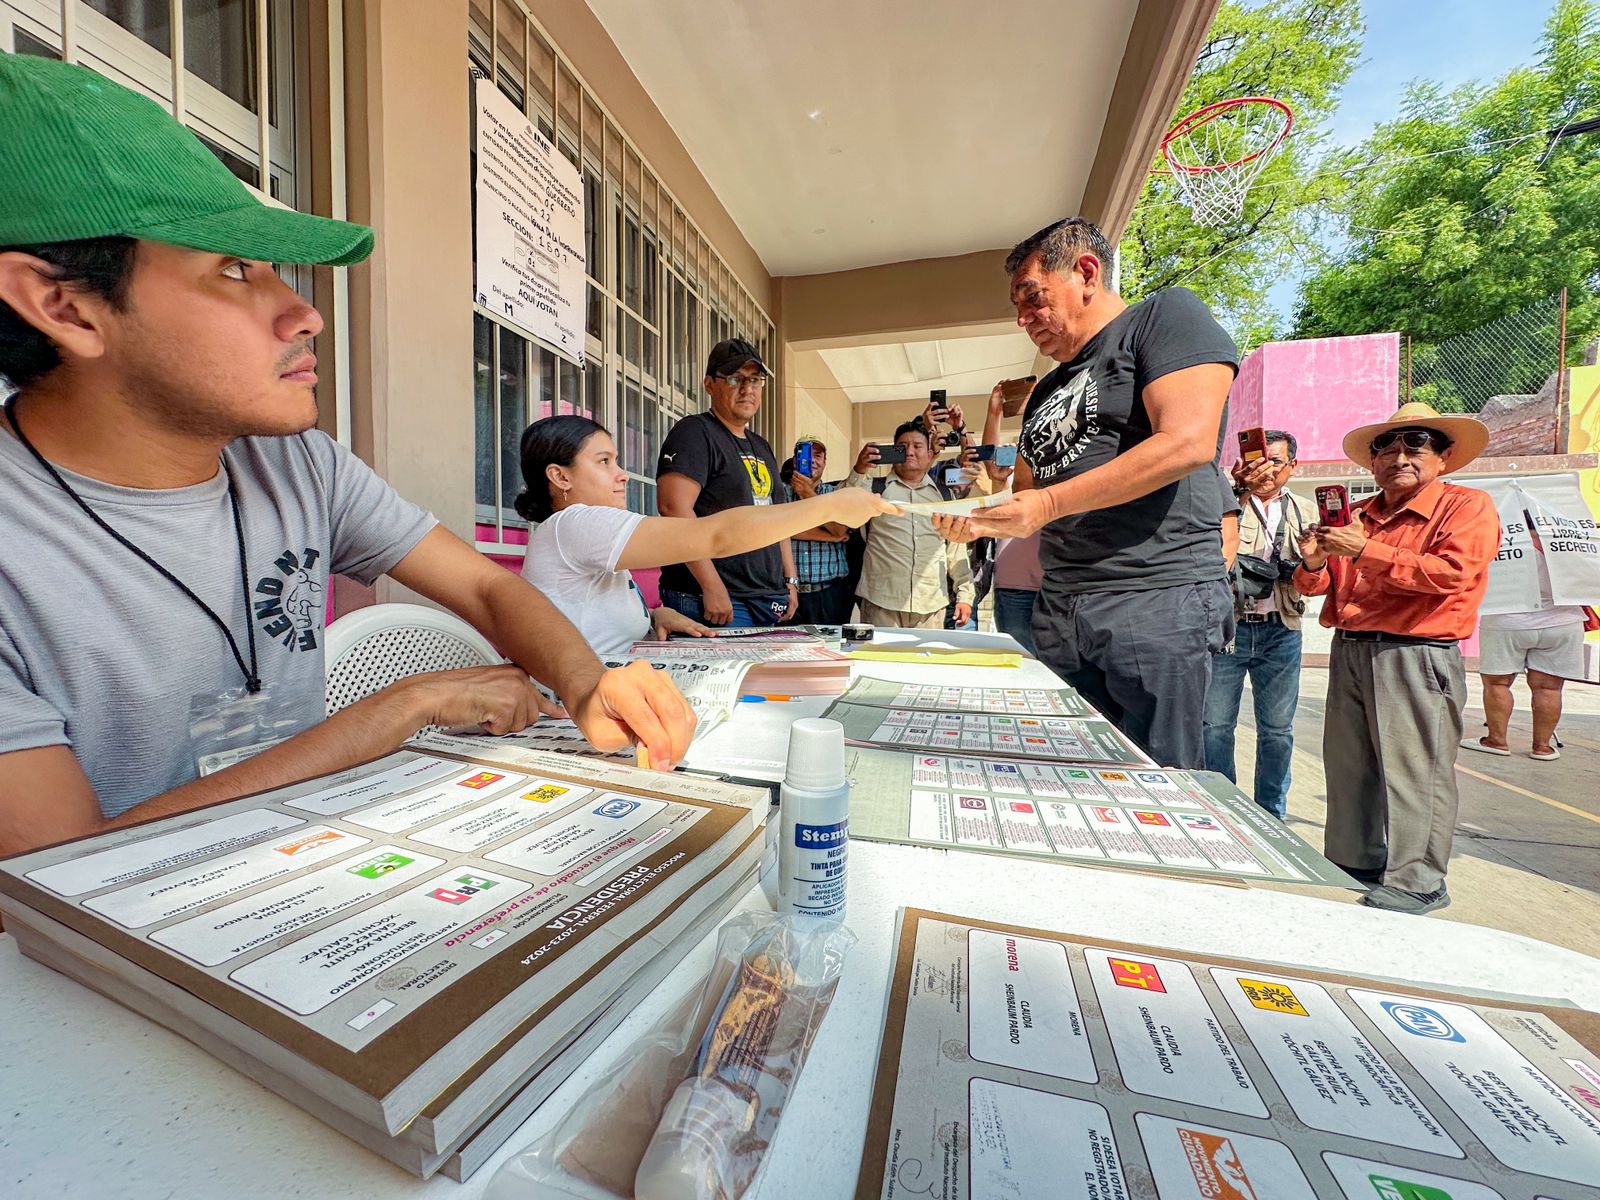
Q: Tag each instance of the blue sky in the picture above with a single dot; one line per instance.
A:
(1449, 41)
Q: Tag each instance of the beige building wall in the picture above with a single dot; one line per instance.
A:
(816, 406)
(410, 303)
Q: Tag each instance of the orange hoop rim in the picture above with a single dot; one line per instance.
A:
(1211, 112)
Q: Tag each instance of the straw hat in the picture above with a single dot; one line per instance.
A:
(1468, 435)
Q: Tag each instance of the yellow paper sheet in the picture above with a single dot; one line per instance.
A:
(948, 656)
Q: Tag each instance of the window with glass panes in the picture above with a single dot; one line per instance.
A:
(658, 295)
(211, 63)
(206, 60)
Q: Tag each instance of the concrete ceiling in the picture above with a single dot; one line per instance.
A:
(964, 366)
(843, 134)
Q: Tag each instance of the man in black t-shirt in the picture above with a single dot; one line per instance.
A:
(1117, 466)
(714, 460)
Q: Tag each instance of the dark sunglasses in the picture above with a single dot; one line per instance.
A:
(1411, 439)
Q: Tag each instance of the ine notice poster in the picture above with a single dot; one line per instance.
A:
(529, 233)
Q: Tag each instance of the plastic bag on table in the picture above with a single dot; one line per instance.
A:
(692, 1116)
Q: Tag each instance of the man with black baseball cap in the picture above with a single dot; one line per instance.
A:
(172, 514)
(712, 461)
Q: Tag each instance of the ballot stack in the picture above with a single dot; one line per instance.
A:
(417, 951)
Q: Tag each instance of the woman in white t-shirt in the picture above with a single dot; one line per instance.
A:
(585, 540)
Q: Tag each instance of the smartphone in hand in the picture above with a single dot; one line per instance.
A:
(954, 477)
(1333, 504)
(1014, 394)
(1252, 444)
(891, 454)
(1005, 456)
(985, 453)
(802, 459)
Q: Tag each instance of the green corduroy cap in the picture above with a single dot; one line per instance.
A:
(82, 157)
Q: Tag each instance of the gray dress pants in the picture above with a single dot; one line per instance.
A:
(1389, 741)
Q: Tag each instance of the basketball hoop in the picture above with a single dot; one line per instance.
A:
(1216, 152)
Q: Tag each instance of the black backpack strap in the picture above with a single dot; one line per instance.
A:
(879, 482)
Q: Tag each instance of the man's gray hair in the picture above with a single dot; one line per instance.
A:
(1059, 245)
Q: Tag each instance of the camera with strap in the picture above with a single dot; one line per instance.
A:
(1254, 578)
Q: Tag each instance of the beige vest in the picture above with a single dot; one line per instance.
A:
(1253, 539)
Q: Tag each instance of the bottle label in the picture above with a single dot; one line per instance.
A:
(817, 882)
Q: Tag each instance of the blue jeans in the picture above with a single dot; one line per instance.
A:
(1270, 655)
(1013, 614)
(747, 610)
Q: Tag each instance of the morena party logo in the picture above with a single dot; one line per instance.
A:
(289, 604)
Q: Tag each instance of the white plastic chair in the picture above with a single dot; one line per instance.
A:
(370, 648)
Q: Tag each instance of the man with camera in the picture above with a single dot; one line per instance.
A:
(1266, 609)
(1403, 579)
(904, 572)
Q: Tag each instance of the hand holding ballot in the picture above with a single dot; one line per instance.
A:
(1021, 514)
(637, 704)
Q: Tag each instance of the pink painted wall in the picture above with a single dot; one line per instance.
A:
(1318, 389)
(649, 579)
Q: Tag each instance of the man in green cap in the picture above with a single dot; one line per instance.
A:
(171, 513)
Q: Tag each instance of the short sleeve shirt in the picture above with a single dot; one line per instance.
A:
(572, 558)
(98, 652)
(1091, 409)
(731, 472)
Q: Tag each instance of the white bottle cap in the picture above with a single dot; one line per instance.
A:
(816, 755)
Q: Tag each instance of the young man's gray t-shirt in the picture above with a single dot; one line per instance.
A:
(100, 653)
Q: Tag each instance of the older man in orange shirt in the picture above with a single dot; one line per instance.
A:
(1404, 580)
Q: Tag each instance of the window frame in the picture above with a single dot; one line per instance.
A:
(644, 369)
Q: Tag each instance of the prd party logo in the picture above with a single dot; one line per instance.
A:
(1273, 997)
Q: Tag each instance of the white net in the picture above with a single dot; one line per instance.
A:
(1216, 155)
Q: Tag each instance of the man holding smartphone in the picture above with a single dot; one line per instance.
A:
(1403, 582)
(909, 570)
(1117, 469)
(820, 556)
(1266, 645)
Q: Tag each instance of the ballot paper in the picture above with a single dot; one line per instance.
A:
(1023, 1062)
(1089, 739)
(1140, 818)
(951, 698)
(376, 935)
(953, 508)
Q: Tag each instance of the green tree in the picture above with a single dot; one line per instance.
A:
(1463, 210)
(1297, 51)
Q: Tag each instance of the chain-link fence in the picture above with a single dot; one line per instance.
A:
(1513, 355)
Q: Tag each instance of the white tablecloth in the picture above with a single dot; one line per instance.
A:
(100, 1102)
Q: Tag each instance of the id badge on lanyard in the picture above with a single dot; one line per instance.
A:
(230, 726)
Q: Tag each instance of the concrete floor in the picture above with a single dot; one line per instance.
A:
(1527, 848)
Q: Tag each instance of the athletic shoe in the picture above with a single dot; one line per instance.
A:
(1393, 899)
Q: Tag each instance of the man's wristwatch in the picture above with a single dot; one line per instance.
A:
(791, 581)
